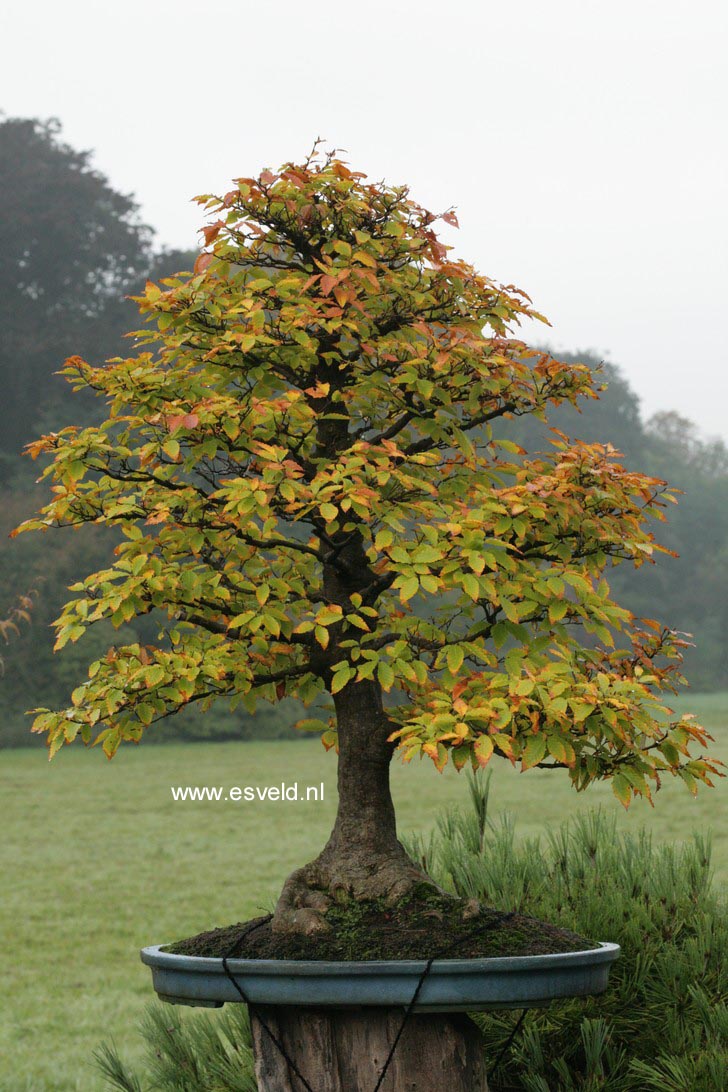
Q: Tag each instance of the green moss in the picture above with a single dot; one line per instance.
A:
(426, 924)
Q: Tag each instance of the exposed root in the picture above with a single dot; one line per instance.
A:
(310, 891)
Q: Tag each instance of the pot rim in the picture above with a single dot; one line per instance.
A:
(604, 952)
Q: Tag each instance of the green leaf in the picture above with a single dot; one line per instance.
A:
(454, 657)
(426, 555)
(580, 710)
(578, 582)
(671, 753)
(557, 610)
(356, 620)
(153, 676)
(311, 724)
(75, 470)
(460, 756)
(511, 610)
(145, 712)
(385, 674)
(534, 752)
(366, 669)
(341, 677)
(329, 615)
(561, 750)
(408, 588)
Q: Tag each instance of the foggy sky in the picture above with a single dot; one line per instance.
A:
(582, 143)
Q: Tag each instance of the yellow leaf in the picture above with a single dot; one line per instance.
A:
(504, 743)
(408, 589)
(385, 675)
(483, 750)
(557, 610)
(364, 258)
(621, 789)
(471, 586)
(454, 657)
(384, 538)
(340, 680)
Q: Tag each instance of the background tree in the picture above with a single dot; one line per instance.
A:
(614, 418)
(295, 456)
(692, 586)
(71, 246)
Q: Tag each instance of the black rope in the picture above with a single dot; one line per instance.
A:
(266, 1027)
(498, 920)
(510, 1039)
(408, 1011)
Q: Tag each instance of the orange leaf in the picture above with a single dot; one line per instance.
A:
(203, 262)
(183, 420)
(212, 231)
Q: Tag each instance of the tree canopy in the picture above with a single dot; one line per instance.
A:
(300, 456)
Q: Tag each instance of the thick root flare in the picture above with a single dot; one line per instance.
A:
(310, 891)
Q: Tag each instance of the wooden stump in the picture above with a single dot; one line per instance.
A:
(344, 1050)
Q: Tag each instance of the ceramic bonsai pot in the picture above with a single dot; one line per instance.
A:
(452, 985)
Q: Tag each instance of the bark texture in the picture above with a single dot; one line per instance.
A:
(363, 858)
(345, 1051)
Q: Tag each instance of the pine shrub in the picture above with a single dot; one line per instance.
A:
(197, 1053)
(663, 1023)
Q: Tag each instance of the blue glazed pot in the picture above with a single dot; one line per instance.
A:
(452, 985)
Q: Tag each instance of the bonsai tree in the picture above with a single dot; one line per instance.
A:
(301, 458)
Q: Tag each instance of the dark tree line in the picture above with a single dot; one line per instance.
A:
(692, 588)
(71, 249)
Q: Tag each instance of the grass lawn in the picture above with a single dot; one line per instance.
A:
(100, 861)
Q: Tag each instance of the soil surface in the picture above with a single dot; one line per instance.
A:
(420, 927)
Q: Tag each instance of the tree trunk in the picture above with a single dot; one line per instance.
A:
(345, 1051)
(363, 858)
